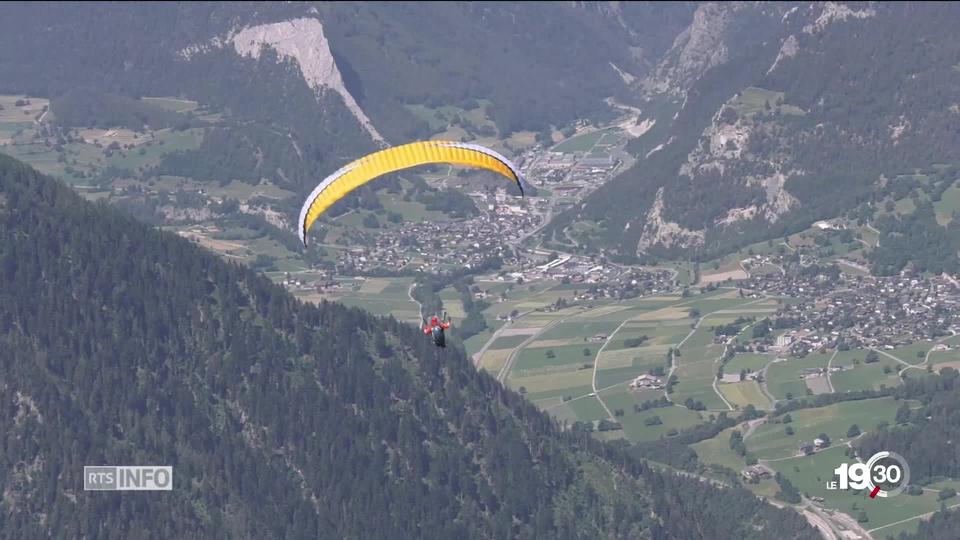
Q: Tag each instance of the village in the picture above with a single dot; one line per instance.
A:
(843, 311)
(503, 223)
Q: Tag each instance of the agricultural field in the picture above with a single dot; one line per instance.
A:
(751, 362)
(580, 143)
(770, 442)
(745, 393)
(643, 426)
(783, 379)
(699, 357)
(858, 375)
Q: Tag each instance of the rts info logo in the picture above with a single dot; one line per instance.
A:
(139, 478)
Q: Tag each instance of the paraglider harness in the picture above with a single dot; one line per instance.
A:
(436, 329)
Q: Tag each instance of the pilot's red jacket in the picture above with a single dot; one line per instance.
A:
(434, 322)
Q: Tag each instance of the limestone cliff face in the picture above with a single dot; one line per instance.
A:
(695, 50)
(302, 41)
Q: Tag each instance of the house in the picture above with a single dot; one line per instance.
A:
(806, 448)
(755, 473)
(646, 381)
(819, 443)
(807, 373)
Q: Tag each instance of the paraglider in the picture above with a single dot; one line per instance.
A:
(363, 170)
(436, 329)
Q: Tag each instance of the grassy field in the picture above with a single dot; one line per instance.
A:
(172, 103)
(865, 376)
(12, 113)
(579, 143)
(783, 378)
(634, 423)
(745, 393)
(948, 204)
(717, 450)
(749, 361)
(951, 357)
(538, 360)
(753, 100)
(911, 354)
(508, 342)
(771, 442)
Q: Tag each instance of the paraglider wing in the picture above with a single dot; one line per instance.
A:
(369, 167)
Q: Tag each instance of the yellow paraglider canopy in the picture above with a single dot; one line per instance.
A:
(365, 169)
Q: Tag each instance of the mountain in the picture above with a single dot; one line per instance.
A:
(127, 345)
(769, 117)
(536, 65)
(301, 89)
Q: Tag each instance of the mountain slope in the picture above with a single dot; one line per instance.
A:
(785, 114)
(125, 345)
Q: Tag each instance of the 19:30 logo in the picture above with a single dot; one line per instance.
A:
(885, 474)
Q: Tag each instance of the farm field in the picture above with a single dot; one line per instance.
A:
(745, 393)
(749, 361)
(579, 143)
(783, 378)
(770, 441)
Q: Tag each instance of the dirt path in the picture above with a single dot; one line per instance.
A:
(596, 363)
(830, 363)
(763, 385)
(414, 300)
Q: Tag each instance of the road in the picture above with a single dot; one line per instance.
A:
(720, 394)
(763, 385)
(673, 353)
(905, 363)
(752, 426)
(419, 306)
(596, 363)
(829, 363)
(716, 389)
(921, 365)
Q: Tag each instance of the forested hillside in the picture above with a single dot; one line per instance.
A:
(125, 345)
